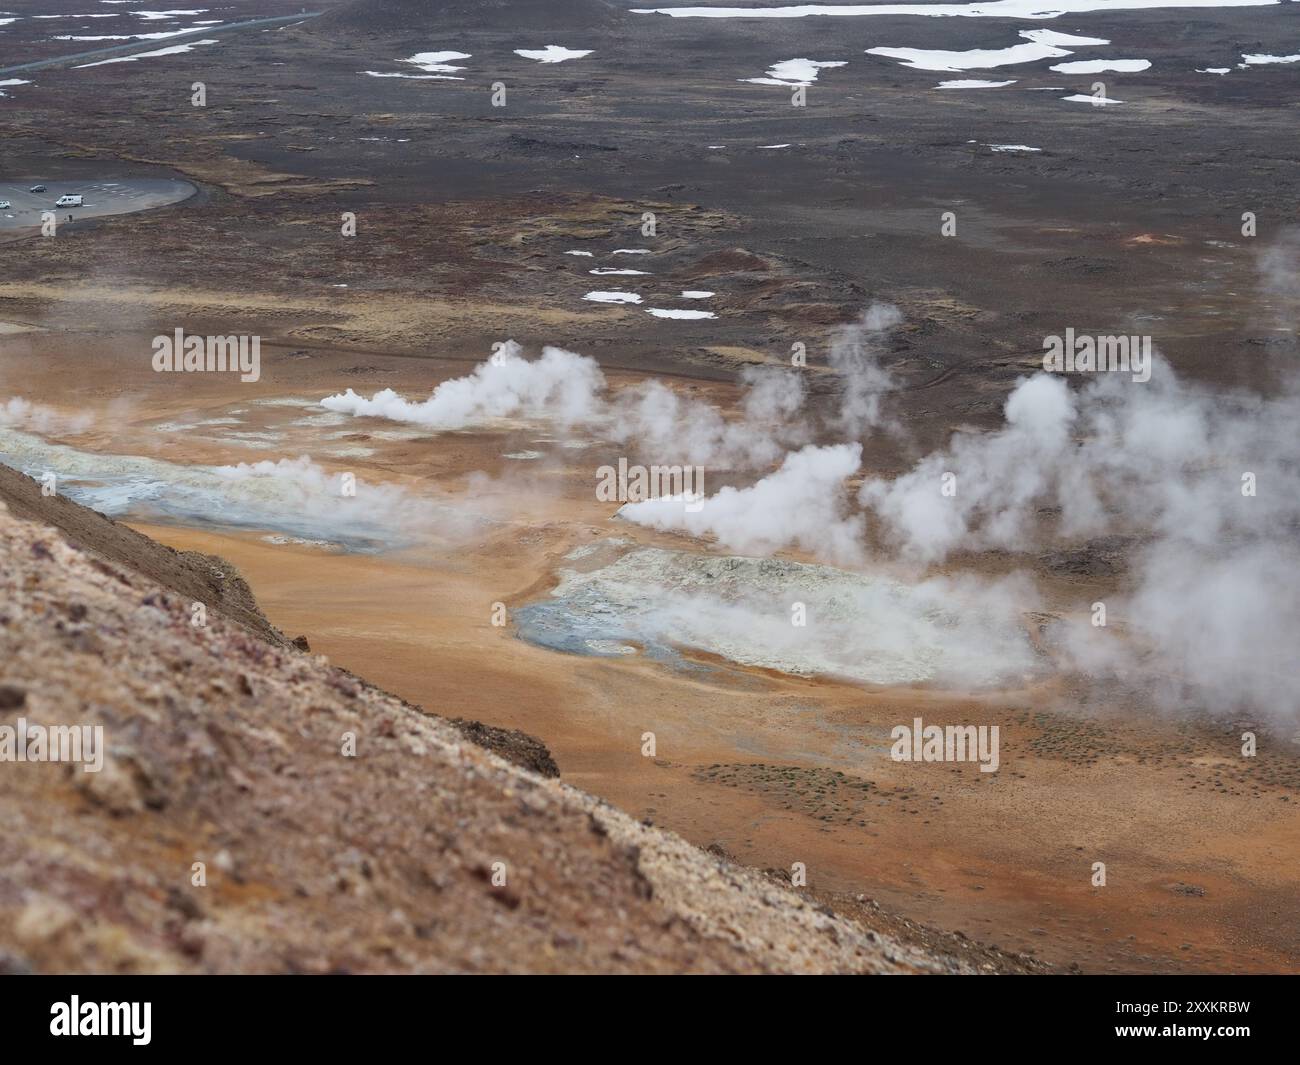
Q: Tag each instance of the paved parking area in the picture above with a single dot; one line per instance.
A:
(98, 198)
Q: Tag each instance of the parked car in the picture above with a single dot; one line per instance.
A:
(38, 188)
(68, 200)
(5, 205)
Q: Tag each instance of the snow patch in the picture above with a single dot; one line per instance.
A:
(612, 297)
(553, 53)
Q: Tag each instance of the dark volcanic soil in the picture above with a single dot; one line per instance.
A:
(1129, 217)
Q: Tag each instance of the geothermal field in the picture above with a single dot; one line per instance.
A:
(560, 486)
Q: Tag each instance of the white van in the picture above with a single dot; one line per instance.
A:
(68, 201)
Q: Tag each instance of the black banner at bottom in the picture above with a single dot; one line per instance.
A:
(336, 1015)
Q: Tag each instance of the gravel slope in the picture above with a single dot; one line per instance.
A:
(226, 750)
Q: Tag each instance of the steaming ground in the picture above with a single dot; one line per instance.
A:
(1172, 467)
(852, 626)
(857, 626)
(773, 739)
(296, 497)
(1199, 488)
(292, 496)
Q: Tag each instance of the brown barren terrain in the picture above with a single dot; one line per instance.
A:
(224, 743)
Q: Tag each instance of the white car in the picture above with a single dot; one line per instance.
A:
(68, 201)
(5, 205)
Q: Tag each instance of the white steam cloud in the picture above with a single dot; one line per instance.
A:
(662, 422)
(803, 505)
(18, 413)
(656, 420)
(559, 385)
(997, 482)
(1200, 487)
(855, 354)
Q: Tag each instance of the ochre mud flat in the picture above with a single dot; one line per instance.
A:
(779, 770)
(773, 769)
(222, 827)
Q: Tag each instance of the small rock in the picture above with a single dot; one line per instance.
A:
(115, 787)
(41, 921)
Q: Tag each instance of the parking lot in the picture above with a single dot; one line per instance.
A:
(99, 198)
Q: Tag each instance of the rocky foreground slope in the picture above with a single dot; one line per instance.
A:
(228, 829)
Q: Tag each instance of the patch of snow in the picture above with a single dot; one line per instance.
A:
(794, 72)
(972, 59)
(412, 77)
(1259, 60)
(1084, 98)
(155, 16)
(437, 62)
(1098, 66)
(175, 49)
(1055, 38)
(124, 36)
(612, 297)
(552, 53)
(973, 83)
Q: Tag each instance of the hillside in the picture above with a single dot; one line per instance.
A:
(197, 577)
(226, 750)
